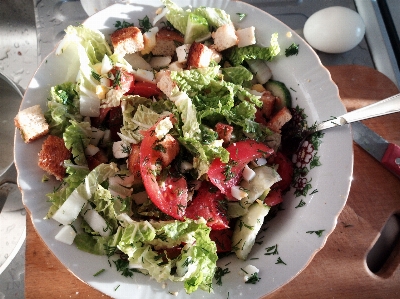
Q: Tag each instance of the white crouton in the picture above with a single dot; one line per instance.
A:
(199, 56)
(149, 39)
(246, 36)
(182, 52)
(165, 83)
(224, 37)
(159, 62)
(216, 56)
(127, 40)
(31, 123)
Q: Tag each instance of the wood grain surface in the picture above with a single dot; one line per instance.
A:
(339, 270)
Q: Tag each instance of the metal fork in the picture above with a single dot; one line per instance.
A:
(386, 106)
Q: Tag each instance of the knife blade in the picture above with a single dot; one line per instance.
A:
(388, 154)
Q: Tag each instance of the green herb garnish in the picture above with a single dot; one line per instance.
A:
(123, 24)
(292, 50)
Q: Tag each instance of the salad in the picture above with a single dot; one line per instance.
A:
(175, 159)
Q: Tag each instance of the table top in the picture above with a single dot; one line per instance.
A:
(339, 269)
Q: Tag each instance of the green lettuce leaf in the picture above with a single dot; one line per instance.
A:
(237, 55)
(215, 17)
(196, 264)
(75, 176)
(96, 244)
(137, 117)
(237, 74)
(63, 105)
(92, 41)
(77, 137)
(176, 15)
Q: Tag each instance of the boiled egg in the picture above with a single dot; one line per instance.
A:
(334, 29)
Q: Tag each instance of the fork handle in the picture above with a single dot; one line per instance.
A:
(386, 106)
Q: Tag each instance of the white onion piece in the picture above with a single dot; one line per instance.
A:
(70, 209)
(89, 106)
(106, 65)
(96, 136)
(248, 173)
(91, 150)
(238, 192)
(66, 235)
(97, 223)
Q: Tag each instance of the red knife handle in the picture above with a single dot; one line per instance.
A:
(391, 158)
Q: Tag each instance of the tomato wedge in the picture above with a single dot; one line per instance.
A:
(207, 204)
(227, 175)
(223, 239)
(123, 80)
(274, 197)
(169, 195)
(115, 122)
(145, 89)
(285, 170)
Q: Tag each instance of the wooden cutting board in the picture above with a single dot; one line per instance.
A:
(337, 271)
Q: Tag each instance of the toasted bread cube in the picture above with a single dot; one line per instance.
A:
(215, 56)
(279, 119)
(52, 156)
(164, 48)
(31, 123)
(268, 100)
(167, 41)
(199, 56)
(127, 40)
(165, 83)
(224, 37)
(182, 52)
(246, 36)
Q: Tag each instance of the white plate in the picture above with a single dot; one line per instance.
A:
(297, 232)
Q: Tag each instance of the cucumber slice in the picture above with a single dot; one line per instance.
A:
(263, 180)
(197, 28)
(247, 228)
(279, 90)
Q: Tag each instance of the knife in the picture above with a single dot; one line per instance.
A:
(388, 154)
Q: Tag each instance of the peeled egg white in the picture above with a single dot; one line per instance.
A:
(334, 29)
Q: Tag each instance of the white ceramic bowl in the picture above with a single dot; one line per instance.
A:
(298, 231)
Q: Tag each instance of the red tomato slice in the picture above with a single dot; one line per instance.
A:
(207, 204)
(97, 159)
(123, 80)
(145, 89)
(115, 122)
(170, 195)
(227, 175)
(285, 170)
(224, 131)
(134, 161)
(274, 197)
(223, 239)
(98, 121)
